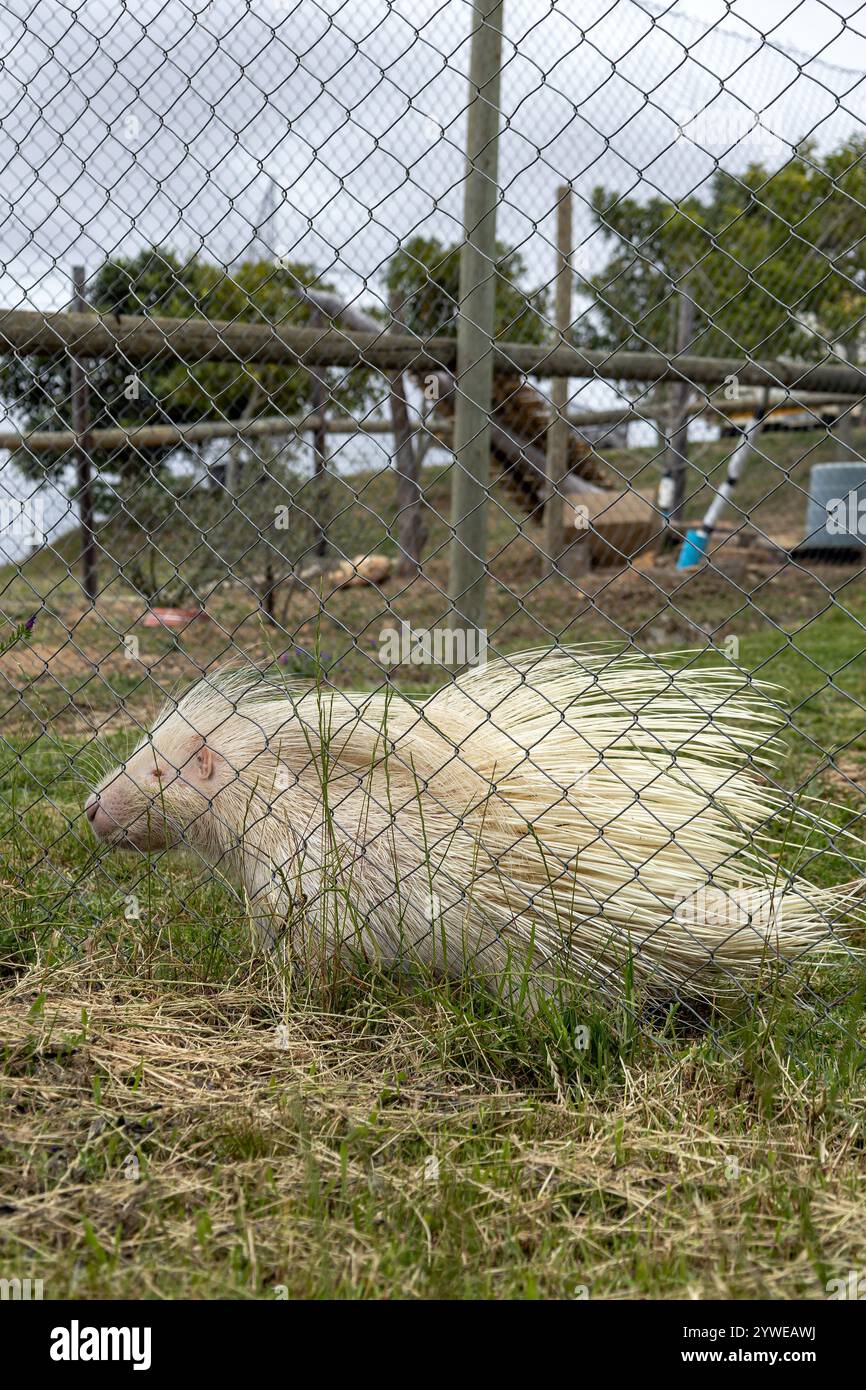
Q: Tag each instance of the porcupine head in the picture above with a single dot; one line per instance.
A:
(237, 774)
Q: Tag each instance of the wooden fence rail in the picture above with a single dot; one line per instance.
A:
(141, 340)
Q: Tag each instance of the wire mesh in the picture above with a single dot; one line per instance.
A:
(238, 413)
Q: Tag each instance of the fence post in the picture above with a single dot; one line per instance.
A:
(558, 431)
(672, 487)
(81, 424)
(475, 327)
(411, 532)
(318, 399)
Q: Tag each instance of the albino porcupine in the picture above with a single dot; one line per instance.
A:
(563, 813)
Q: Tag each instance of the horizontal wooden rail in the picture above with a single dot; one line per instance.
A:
(160, 436)
(140, 340)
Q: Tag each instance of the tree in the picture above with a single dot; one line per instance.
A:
(423, 281)
(138, 482)
(774, 261)
(171, 391)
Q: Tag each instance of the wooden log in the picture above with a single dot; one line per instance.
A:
(613, 526)
(473, 405)
(158, 436)
(80, 390)
(139, 339)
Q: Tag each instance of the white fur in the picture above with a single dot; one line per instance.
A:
(555, 812)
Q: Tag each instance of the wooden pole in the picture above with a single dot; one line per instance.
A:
(318, 401)
(234, 465)
(843, 434)
(559, 430)
(848, 345)
(81, 424)
(411, 533)
(672, 488)
(475, 327)
(158, 436)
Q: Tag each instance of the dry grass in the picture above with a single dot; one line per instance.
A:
(292, 1146)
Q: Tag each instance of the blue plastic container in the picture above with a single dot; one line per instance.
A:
(693, 550)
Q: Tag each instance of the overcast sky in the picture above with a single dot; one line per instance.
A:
(126, 125)
(161, 122)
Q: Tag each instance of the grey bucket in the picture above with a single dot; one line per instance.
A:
(836, 510)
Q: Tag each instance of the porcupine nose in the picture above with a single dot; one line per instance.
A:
(92, 809)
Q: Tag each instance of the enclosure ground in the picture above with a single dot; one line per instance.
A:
(175, 1124)
(404, 1147)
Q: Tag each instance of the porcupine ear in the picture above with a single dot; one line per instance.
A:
(204, 761)
(202, 758)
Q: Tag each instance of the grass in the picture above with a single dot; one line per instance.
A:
(177, 1119)
(198, 1139)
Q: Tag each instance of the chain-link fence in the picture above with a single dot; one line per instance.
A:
(480, 384)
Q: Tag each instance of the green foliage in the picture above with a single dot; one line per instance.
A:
(20, 633)
(158, 282)
(197, 538)
(424, 278)
(260, 532)
(774, 260)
